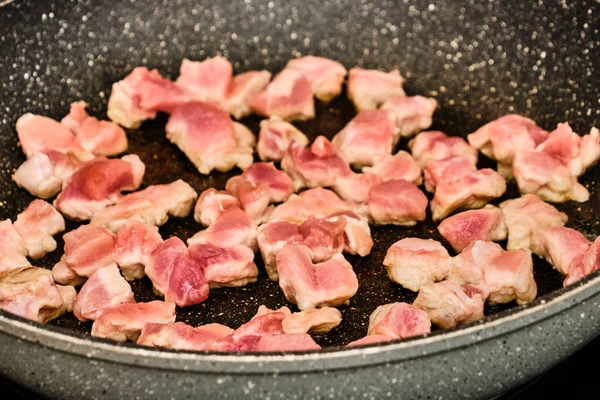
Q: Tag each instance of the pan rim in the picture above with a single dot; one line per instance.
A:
(490, 327)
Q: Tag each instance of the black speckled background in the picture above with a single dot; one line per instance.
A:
(480, 60)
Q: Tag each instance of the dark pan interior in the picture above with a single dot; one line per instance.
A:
(479, 60)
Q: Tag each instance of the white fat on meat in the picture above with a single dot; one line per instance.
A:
(104, 289)
(357, 233)
(231, 266)
(211, 204)
(464, 228)
(37, 225)
(275, 137)
(178, 335)
(317, 202)
(446, 170)
(232, 227)
(280, 184)
(325, 76)
(448, 303)
(396, 202)
(134, 244)
(526, 215)
(208, 81)
(413, 262)
(436, 145)
(153, 206)
(370, 88)
(125, 321)
(98, 184)
(547, 177)
(355, 188)
(368, 138)
(254, 198)
(589, 264)
(399, 320)
(38, 134)
(308, 285)
(398, 166)
(316, 321)
(564, 248)
(288, 96)
(243, 87)
(413, 113)
(209, 138)
(474, 190)
(316, 165)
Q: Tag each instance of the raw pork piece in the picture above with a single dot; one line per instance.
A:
(232, 227)
(36, 225)
(399, 320)
(471, 191)
(176, 275)
(526, 215)
(104, 289)
(288, 96)
(11, 260)
(323, 237)
(207, 81)
(397, 202)
(32, 294)
(275, 137)
(448, 304)
(253, 198)
(399, 166)
(152, 205)
(207, 136)
(503, 137)
(242, 88)
(589, 264)
(178, 335)
(355, 188)
(370, 88)
(313, 320)
(231, 266)
(43, 174)
(413, 113)
(103, 138)
(125, 321)
(280, 184)
(317, 202)
(436, 145)
(413, 262)
(446, 170)
(316, 165)
(561, 247)
(325, 76)
(140, 95)
(211, 204)
(38, 134)
(309, 285)
(98, 184)
(500, 276)
(467, 227)
(368, 138)
(134, 244)
(357, 234)
(546, 176)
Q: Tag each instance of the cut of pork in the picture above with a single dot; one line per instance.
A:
(589, 264)
(178, 335)
(399, 320)
(413, 113)
(134, 244)
(207, 81)
(243, 87)
(317, 202)
(38, 134)
(37, 225)
(232, 266)
(279, 183)
(446, 170)
(397, 202)
(275, 137)
(398, 166)
(253, 197)
(369, 88)
(211, 204)
(312, 320)
(232, 227)
(561, 247)
(355, 188)
(357, 233)
(436, 145)
(324, 75)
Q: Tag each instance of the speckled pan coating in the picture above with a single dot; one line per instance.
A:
(479, 59)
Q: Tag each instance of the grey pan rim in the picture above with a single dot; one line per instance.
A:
(491, 327)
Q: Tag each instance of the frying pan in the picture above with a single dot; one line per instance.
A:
(480, 60)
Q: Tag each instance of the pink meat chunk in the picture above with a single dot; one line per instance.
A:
(308, 285)
(413, 113)
(176, 275)
(562, 247)
(242, 88)
(397, 202)
(414, 262)
(464, 228)
(37, 225)
(211, 204)
(399, 320)
(589, 264)
(98, 184)
(324, 75)
(178, 335)
(547, 177)
(32, 294)
(253, 197)
(316, 165)
(232, 227)
(369, 88)
(399, 166)
(232, 266)
(436, 145)
(446, 170)
(134, 244)
(471, 191)
(207, 136)
(526, 215)
(289, 96)
(317, 202)
(207, 81)
(355, 188)
(357, 233)
(103, 138)
(313, 320)
(275, 137)
(38, 134)
(153, 206)
(448, 304)
(125, 321)
(367, 138)
(104, 289)
(503, 137)
(280, 184)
